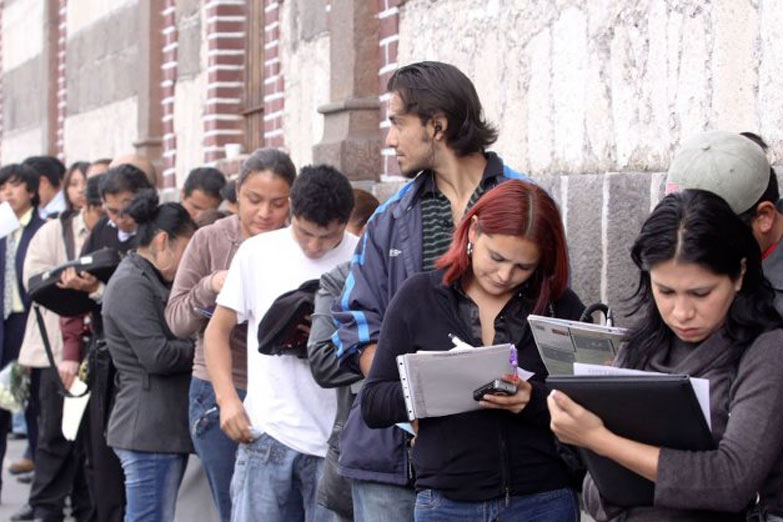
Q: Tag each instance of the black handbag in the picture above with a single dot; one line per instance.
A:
(43, 289)
(278, 332)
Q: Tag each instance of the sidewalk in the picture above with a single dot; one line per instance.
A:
(14, 494)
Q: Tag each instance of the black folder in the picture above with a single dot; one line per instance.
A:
(657, 410)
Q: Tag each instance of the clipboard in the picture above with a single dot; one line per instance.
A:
(660, 410)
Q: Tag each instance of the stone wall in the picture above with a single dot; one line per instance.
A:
(591, 98)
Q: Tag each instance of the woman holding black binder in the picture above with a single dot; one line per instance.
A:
(508, 259)
(707, 311)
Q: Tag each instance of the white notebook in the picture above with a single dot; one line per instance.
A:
(436, 384)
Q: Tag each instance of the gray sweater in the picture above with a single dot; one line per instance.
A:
(746, 401)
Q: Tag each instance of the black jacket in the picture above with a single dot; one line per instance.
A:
(474, 456)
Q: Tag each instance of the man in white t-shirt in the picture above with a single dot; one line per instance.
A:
(285, 421)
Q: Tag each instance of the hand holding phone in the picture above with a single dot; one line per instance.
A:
(496, 387)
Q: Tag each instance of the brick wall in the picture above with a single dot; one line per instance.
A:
(62, 91)
(225, 24)
(388, 42)
(169, 67)
(274, 85)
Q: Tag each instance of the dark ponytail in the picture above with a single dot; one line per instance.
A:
(152, 218)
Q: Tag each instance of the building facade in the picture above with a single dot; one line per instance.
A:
(590, 97)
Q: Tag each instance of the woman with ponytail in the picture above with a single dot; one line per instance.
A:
(148, 426)
(508, 259)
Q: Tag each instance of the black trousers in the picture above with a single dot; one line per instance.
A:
(13, 332)
(59, 463)
(104, 471)
(33, 411)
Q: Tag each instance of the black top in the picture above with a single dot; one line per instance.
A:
(480, 455)
(105, 235)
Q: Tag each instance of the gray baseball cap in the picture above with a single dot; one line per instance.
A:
(725, 163)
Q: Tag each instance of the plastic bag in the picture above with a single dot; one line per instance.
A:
(14, 387)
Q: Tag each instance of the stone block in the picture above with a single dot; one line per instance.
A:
(18, 145)
(626, 206)
(188, 9)
(770, 74)
(189, 49)
(569, 75)
(539, 102)
(583, 225)
(82, 14)
(104, 132)
(734, 65)
(551, 184)
(312, 18)
(23, 32)
(102, 61)
(691, 105)
(23, 96)
(624, 97)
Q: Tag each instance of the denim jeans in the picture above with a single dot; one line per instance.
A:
(273, 483)
(214, 448)
(151, 484)
(560, 505)
(375, 502)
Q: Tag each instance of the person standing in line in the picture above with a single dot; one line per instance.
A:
(264, 188)
(440, 138)
(19, 188)
(148, 424)
(284, 423)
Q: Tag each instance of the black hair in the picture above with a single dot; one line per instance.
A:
(772, 192)
(274, 160)
(229, 192)
(206, 179)
(321, 194)
(364, 206)
(124, 178)
(92, 194)
(428, 89)
(152, 218)
(696, 226)
(21, 173)
(47, 166)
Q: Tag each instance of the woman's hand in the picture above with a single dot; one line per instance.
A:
(513, 403)
(67, 371)
(217, 280)
(572, 424)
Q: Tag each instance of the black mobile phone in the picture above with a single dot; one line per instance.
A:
(496, 387)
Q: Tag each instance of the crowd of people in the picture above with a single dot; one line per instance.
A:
(198, 343)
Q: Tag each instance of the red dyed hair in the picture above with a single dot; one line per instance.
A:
(522, 209)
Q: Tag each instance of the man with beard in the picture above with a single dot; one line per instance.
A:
(440, 137)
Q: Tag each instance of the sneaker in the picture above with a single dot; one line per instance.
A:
(25, 478)
(24, 513)
(21, 466)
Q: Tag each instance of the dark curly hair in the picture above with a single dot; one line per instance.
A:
(321, 194)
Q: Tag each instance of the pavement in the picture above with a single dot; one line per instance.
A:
(14, 494)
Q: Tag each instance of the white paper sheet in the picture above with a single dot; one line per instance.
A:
(8, 220)
(73, 409)
(701, 387)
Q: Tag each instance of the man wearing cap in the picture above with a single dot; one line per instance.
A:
(736, 169)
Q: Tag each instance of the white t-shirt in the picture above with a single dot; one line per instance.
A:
(282, 398)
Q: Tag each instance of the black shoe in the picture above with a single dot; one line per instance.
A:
(25, 478)
(24, 513)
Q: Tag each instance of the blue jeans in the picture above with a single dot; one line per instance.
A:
(375, 502)
(560, 505)
(151, 484)
(273, 483)
(214, 448)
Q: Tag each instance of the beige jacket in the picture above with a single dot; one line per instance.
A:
(47, 250)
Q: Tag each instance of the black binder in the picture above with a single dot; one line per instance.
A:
(43, 289)
(657, 410)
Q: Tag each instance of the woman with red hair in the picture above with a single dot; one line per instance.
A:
(508, 259)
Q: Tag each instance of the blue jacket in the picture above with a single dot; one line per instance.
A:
(389, 252)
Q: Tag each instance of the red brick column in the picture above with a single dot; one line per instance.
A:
(274, 86)
(226, 24)
(62, 90)
(169, 69)
(388, 40)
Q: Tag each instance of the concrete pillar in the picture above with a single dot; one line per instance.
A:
(351, 140)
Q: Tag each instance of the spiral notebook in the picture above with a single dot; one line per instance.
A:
(439, 383)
